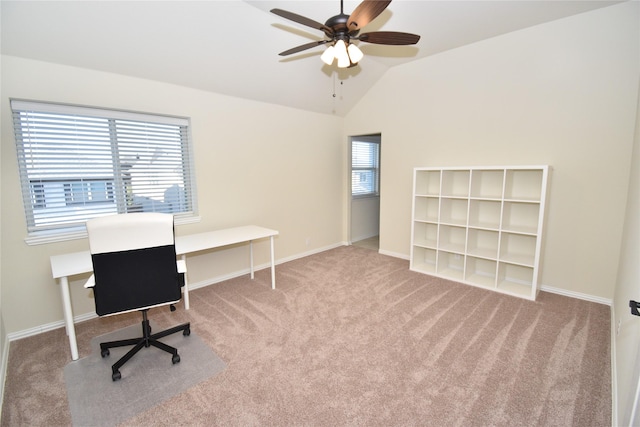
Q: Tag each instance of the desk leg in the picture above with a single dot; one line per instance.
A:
(186, 285)
(251, 256)
(273, 266)
(68, 317)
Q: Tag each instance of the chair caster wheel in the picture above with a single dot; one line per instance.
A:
(175, 359)
(105, 353)
(116, 376)
(186, 332)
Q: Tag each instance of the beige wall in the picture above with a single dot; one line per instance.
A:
(3, 332)
(627, 336)
(256, 163)
(562, 94)
(365, 218)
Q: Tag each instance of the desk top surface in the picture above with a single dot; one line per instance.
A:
(214, 239)
(80, 262)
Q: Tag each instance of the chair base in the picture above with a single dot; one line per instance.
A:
(145, 341)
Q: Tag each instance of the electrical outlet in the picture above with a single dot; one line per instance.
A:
(307, 241)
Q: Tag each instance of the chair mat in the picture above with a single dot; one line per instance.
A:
(148, 379)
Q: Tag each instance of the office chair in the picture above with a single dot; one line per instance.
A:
(135, 269)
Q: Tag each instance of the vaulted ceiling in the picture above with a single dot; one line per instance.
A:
(231, 46)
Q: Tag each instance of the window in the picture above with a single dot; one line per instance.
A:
(77, 163)
(365, 167)
(89, 191)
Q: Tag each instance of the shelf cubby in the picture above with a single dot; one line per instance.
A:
(481, 272)
(455, 183)
(454, 211)
(524, 184)
(428, 183)
(485, 214)
(425, 234)
(518, 249)
(450, 265)
(480, 225)
(452, 239)
(426, 209)
(520, 217)
(487, 184)
(483, 243)
(423, 260)
(515, 279)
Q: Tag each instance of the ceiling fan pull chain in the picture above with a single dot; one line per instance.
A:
(334, 88)
(334, 85)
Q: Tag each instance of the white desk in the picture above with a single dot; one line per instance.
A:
(66, 265)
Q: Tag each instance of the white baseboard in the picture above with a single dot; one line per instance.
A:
(366, 236)
(578, 295)
(393, 254)
(48, 327)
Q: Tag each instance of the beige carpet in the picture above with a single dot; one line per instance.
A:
(353, 338)
(372, 243)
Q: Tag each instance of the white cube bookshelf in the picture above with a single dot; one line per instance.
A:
(480, 225)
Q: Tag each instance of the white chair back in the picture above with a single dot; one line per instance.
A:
(116, 233)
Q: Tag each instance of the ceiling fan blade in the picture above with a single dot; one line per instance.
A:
(366, 12)
(302, 20)
(389, 37)
(303, 47)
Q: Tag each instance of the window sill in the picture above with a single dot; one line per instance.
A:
(365, 196)
(76, 233)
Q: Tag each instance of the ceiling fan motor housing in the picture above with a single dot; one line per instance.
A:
(338, 24)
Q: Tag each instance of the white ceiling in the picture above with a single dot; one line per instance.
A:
(231, 46)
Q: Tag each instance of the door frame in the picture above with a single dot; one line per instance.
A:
(351, 138)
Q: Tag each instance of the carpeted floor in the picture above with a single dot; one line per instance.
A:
(372, 243)
(349, 338)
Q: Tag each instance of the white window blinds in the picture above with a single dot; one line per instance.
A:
(365, 169)
(77, 163)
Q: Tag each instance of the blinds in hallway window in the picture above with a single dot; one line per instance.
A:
(78, 163)
(365, 168)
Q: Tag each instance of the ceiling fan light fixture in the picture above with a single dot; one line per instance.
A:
(355, 53)
(341, 54)
(328, 55)
(343, 62)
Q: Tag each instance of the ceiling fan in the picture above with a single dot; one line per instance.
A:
(342, 29)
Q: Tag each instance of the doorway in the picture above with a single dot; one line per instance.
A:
(364, 176)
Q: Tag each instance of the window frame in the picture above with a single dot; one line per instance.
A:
(33, 191)
(374, 168)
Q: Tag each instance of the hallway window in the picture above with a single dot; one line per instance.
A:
(365, 167)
